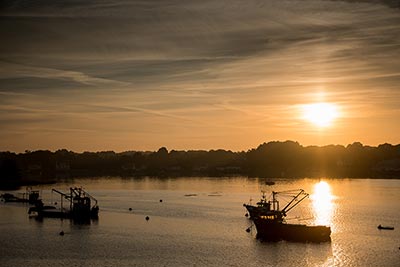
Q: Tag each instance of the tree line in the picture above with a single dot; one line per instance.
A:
(286, 159)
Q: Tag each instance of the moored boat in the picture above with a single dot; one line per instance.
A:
(80, 206)
(272, 226)
(30, 196)
(380, 227)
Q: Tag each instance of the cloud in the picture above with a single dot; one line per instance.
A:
(10, 72)
(203, 67)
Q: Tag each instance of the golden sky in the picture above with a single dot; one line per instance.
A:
(138, 75)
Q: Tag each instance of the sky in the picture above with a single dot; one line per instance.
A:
(96, 75)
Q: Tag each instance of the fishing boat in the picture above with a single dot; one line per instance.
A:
(79, 207)
(271, 224)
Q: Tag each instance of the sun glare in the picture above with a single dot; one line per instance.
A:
(320, 114)
(322, 203)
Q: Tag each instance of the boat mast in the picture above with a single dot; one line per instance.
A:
(275, 203)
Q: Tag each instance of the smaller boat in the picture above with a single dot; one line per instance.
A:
(263, 207)
(380, 227)
(269, 182)
(30, 196)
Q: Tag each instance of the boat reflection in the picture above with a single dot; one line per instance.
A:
(322, 203)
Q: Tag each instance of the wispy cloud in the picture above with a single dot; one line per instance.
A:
(208, 72)
(15, 71)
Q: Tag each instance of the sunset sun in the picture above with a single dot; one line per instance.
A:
(320, 114)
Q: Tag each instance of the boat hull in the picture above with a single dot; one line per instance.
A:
(53, 212)
(385, 227)
(275, 231)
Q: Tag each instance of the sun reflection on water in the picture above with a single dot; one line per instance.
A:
(322, 203)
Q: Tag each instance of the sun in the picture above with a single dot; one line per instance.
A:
(320, 114)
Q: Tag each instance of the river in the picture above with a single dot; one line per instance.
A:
(201, 222)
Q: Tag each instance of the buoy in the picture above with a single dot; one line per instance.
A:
(147, 218)
(62, 233)
(130, 209)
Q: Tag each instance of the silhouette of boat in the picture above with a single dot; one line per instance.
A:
(269, 182)
(271, 225)
(380, 227)
(80, 207)
(30, 196)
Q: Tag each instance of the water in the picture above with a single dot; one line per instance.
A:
(201, 222)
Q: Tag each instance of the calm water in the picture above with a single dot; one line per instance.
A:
(201, 222)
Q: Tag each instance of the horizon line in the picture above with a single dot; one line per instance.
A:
(204, 150)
